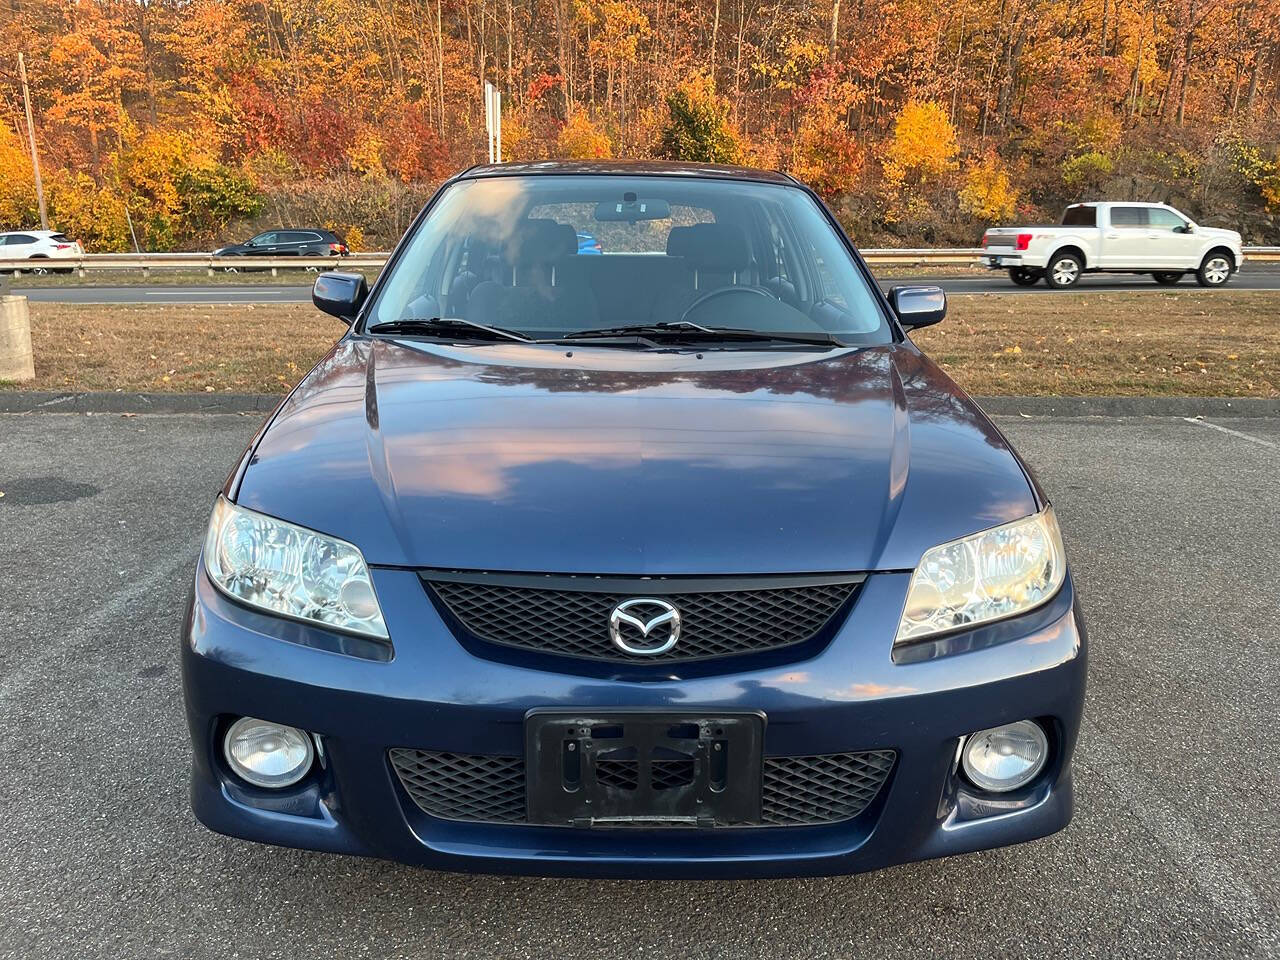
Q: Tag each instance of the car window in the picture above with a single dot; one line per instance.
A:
(1080, 216)
(508, 251)
(1163, 219)
(61, 238)
(646, 236)
(19, 239)
(1128, 216)
(265, 239)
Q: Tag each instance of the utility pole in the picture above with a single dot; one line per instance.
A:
(31, 136)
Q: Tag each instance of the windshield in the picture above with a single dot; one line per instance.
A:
(550, 256)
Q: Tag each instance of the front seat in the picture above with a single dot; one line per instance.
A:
(715, 255)
(537, 300)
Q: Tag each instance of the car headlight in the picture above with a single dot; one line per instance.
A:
(289, 570)
(998, 573)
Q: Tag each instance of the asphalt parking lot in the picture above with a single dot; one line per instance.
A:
(1172, 530)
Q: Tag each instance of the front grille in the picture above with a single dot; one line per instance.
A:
(575, 622)
(822, 789)
(798, 791)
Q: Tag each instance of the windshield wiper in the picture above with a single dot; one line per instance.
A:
(443, 326)
(688, 330)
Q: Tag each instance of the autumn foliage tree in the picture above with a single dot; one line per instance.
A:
(698, 125)
(918, 121)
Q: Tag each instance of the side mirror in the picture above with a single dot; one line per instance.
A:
(918, 306)
(1185, 228)
(340, 294)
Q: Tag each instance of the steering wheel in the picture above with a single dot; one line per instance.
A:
(721, 291)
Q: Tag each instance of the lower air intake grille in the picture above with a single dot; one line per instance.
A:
(575, 622)
(459, 786)
(798, 791)
(823, 789)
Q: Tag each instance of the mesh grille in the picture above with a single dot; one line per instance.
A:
(825, 789)
(458, 786)
(798, 791)
(576, 622)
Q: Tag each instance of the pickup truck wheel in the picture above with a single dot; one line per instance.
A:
(1215, 270)
(1063, 271)
(1024, 276)
(1167, 277)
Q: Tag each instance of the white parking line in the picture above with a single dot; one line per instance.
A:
(1234, 433)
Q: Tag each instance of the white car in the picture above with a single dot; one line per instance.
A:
(39, 245)
(1130, 237)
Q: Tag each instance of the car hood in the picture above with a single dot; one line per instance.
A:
(536, 458)
(1219, 234)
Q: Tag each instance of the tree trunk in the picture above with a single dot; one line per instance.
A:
(1186, 63)
(715, 31)
(835, 24)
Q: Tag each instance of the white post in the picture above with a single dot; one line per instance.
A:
(493, 121)
(488, 118)
(497, 125)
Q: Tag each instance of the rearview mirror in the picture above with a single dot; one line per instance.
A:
(630, 210)
(918, 306)
(340, 294)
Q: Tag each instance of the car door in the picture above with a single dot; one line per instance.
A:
(266, 244)
(289, 243)
(19, 246)
(1124, 239)
(311, 244)
(1173, 244)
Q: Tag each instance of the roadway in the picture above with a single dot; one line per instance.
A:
(1172, 852)
(1261, 277)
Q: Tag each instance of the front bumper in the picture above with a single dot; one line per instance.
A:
(435, 695)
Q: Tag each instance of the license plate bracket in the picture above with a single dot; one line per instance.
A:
(637, 768)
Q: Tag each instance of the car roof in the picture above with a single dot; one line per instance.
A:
(1118, 203)
(30, 233)
(653, 168)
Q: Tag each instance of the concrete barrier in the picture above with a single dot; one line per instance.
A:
(17, 363)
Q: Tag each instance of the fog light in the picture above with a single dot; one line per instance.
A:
(268, 754)
(1005, 758)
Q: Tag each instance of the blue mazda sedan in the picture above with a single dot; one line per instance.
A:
(679, 560)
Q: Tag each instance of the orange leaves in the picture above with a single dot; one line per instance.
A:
(923, 146)
(987, 194)
(580, 139)
(17, 183)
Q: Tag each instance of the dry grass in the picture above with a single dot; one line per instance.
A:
(1193, 343)
(240, 348)
(1123, 344)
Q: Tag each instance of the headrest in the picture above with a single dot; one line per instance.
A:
(710, 246)
(540, 241)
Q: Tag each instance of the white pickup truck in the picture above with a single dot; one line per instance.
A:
(1114, 238)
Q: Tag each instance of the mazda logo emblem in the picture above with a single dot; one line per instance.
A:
(631, 622)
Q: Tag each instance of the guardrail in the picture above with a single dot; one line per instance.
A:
(147, 262)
